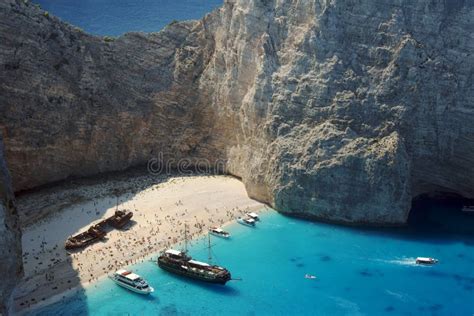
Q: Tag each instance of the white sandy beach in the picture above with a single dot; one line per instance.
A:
(160, 212)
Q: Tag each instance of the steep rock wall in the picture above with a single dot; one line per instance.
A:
(74, 104)
(337, 110)
(10, 237)
(348, 109)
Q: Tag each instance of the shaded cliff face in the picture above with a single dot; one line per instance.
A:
(73, 104)
(10, 237)
(337, 110)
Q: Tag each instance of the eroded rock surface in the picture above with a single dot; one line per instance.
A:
(10, 237)
(337, 110)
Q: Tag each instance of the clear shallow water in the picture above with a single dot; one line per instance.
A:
(115, 17)
(360, 271)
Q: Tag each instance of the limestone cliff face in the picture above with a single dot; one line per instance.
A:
(337, 110)
(10, 237)
(348, 109)
(74, 104)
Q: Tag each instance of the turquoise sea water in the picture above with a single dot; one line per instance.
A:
(115, 17)
(359, 272)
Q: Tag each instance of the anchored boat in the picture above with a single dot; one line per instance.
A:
(218, 232)
(179, 262)
(131, 281)
(253, 216)
(246, 221)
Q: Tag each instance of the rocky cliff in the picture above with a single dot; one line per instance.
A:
(348, 109)
(336, 110)
(10, 237)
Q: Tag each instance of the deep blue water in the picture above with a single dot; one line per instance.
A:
(359, 271)
(115, 17)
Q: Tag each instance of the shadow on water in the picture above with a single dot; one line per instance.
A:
(438, 219)
(152, 297)
(215, 288)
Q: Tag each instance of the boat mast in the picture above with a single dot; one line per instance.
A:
(185, 238)
(209, 255)
(117, 194)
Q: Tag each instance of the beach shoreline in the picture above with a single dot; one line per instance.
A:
(160, 211)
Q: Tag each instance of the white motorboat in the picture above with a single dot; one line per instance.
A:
(427, 261)
(246, 221)
(131, 281)
(253, 216)
(216, 231)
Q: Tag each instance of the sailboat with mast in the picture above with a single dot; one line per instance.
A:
(179, 262)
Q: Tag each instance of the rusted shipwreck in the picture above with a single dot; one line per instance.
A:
(98, 231)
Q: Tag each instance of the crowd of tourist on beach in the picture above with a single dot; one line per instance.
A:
(147, 233)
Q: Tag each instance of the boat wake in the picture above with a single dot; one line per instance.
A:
(400, 296)
(401, 261)
(352, 308)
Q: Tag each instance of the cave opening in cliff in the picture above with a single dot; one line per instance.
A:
(442, 213)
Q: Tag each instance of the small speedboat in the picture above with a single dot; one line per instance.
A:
(427, 261)
(253, 216)
(216, 231)
(131, 281)
(309, 276)
(246, 221)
